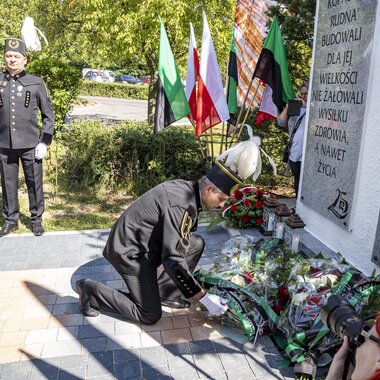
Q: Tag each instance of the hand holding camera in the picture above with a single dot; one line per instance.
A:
(294, 107)
(341, 318)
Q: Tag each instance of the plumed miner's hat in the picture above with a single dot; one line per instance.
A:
(238, 163)
(15, 44)
(29, 39)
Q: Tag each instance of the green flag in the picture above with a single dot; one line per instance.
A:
(232, 78)
(171, 102)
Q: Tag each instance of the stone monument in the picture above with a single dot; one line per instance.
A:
(339, 198)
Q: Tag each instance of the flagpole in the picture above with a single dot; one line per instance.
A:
(241, 112)
(246, 115)
(249, 109)
(201, 148)
(212, 140)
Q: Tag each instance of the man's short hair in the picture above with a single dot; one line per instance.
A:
(204, 181)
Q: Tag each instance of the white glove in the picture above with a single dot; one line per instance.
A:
(215, 305)
(40, 151)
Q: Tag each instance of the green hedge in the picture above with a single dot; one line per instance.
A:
(114, 90)
(128, 156)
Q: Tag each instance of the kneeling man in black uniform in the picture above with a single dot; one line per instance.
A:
(157, 229)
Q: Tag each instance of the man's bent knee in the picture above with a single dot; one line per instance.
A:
(150, 318)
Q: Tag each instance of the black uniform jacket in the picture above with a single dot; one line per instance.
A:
(20, 99)
(155, 229)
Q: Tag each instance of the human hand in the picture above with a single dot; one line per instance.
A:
(215, 305)
(40, 151)
(337, 365)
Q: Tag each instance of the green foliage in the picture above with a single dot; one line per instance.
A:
(114, 90)
(63, 82)
(297, 27)
(128, 155)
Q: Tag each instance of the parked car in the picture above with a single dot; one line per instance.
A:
(96, 75)
(110, 74)
(124, 78)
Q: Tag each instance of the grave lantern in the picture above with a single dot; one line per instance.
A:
(294, 228)
(281, 214)
(269, 205)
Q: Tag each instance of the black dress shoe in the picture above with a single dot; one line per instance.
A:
(37, 229)
(178, 303)
(8, 228)
(84, 300)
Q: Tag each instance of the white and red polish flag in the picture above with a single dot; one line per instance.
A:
(212, 106)
(192, 76)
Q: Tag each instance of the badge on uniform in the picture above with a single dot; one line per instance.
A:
(186, 225)
(19, 88)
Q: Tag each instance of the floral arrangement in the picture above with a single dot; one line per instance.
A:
(275, 291)
(244, 208)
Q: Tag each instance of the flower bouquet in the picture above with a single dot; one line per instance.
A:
(244, 208)
(275, 291)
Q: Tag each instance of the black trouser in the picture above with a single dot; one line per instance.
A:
(295, 167)
(9, 168)
(143, 301)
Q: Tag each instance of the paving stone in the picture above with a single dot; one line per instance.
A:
(74, 361)
(190, 374)
(152, 357)
(127, 370)
(72, 373)
(160, 373)
(66, 348)
(233, 360)
(176, 362)
(45, 369)
(124, 356)
(240, 373)
(100, 363)
(16, 371)
(201, 346)
(103, 377)
(94, 344)
(89, 331)
(227, 346)
(178, 349)
(66, 308)
(67, 333)
(208, 365)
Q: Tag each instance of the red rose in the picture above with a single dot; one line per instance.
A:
(277, 307)
(233, 208)
(247, 190)
(283, 295)
(259, 193)
(246, 219)
(247, 202)
(259, 221)
(259, 204)
(283, 292)
(238, 195)
(248, 278)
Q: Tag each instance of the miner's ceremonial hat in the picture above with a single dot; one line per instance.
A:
(223, 177)
(15, 44)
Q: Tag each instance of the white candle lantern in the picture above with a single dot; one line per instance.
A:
(294, 228)
(269, 205)
(281, 214)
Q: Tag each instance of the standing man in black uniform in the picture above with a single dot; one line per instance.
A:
(154, 230)
(21, 138)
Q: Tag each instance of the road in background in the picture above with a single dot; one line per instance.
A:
(113, 110)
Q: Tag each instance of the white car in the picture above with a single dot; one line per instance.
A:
(111, 75)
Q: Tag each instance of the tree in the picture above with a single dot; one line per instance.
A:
(297, 27)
